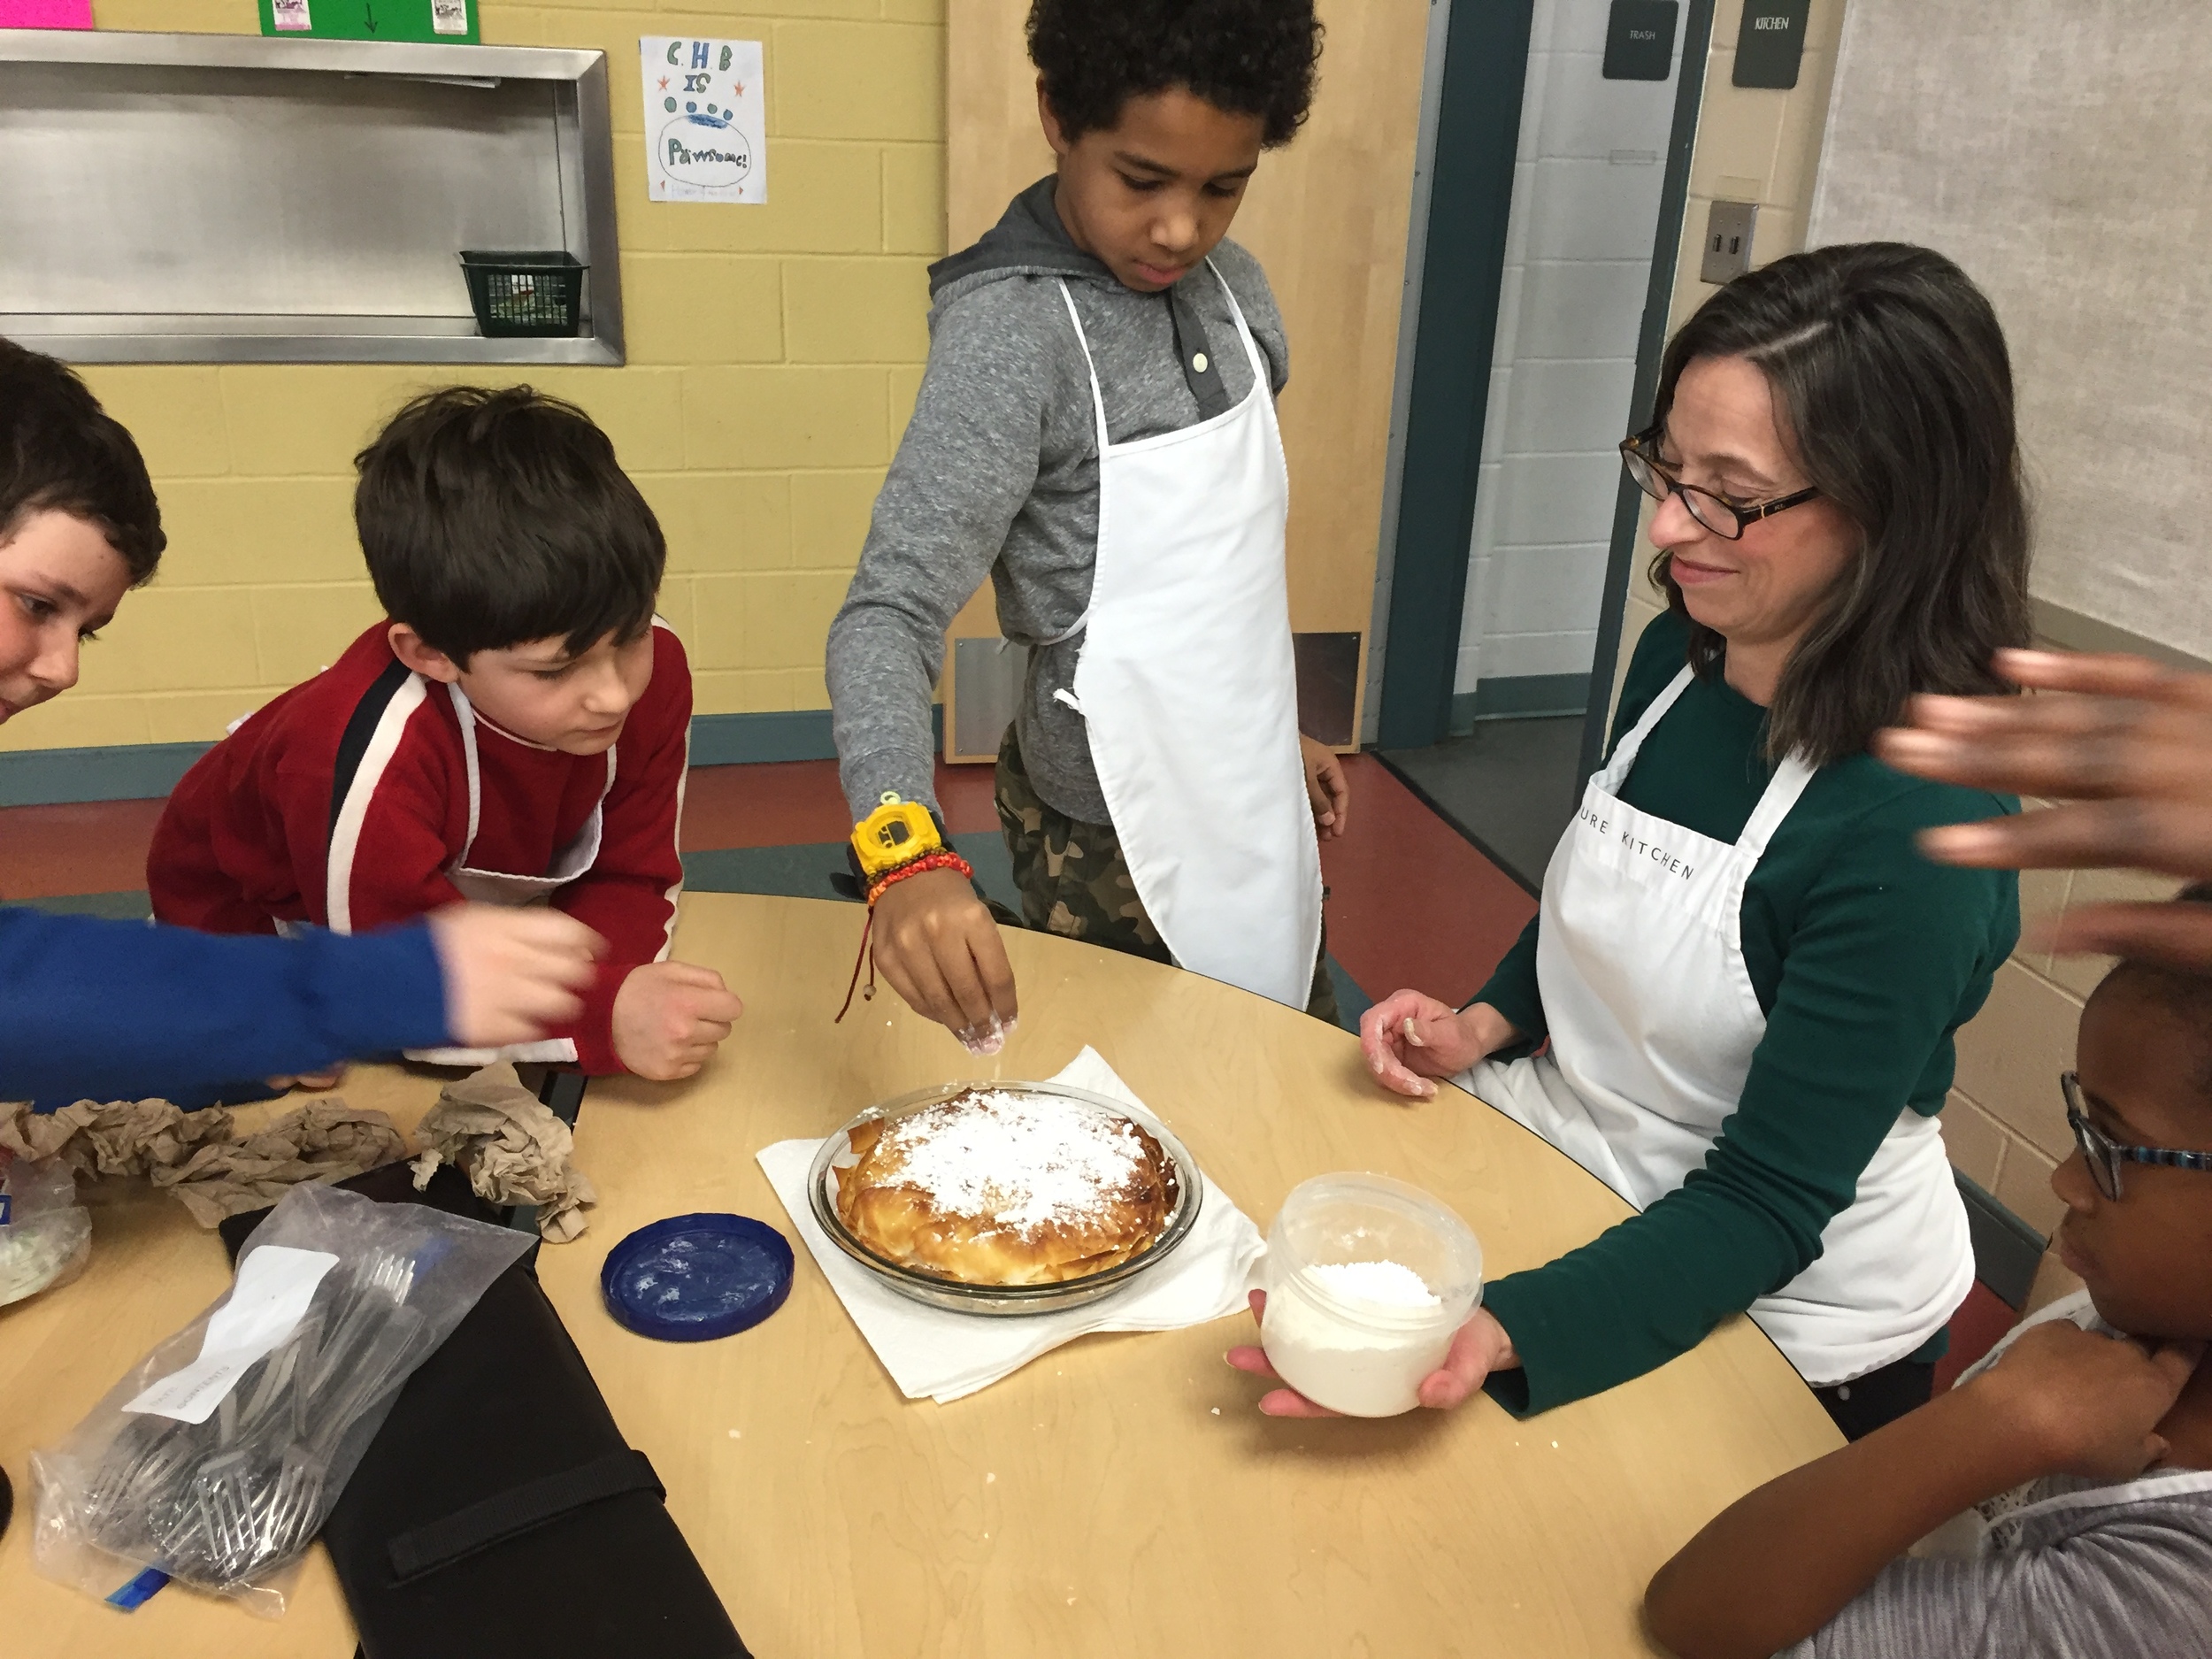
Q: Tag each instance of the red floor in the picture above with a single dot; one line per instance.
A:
(47, 852)
(1412, 905)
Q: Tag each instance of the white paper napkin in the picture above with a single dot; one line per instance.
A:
(944, 1355)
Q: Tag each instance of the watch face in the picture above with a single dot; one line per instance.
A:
(894, 836)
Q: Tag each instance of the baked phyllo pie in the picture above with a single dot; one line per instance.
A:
(996, 1186)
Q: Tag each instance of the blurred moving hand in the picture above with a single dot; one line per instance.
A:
(511, 974)
(2124, 745)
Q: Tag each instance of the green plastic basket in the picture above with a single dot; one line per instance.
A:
(526, 295)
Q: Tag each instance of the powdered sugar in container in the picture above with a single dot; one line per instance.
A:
(1367, 1279)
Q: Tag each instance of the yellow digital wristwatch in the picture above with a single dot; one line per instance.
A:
(896, 833)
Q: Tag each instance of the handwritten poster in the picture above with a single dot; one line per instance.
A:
(705, 120)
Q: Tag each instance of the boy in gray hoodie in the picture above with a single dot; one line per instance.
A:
(1173, 814)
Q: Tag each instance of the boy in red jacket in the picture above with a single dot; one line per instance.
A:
(516, 731)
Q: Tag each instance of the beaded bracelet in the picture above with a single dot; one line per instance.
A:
(944, 858)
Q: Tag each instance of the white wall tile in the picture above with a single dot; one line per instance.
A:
(1510, 654)
(1541, 22)
(1511, 289)
(1494, 419)
(1546, 500)
(1590, 209)
(1560, 406)
(1538, 589)
(1516, 225)
(1587, 117)
(1578, 256)
(1535, 91)
(1468, 674)
(1583, 309)
(1578, 25)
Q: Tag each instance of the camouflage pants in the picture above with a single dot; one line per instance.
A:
(1075, 882)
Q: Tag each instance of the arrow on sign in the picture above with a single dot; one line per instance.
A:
(369, 16)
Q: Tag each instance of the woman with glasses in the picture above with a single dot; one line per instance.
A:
(1745, 976)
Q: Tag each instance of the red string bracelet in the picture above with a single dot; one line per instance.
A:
(945, 858)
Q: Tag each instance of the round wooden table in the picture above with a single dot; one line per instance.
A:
(1118, 1495)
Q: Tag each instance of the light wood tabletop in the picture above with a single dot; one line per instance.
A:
(1118, 1495)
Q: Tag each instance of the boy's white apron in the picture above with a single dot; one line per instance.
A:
(1189, 688)
(1653, 1020)
(496, 887)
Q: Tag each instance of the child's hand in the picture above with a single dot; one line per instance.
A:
(1408, 1038)
(669, 1017)
(1328, 791)
(2090, 1403)
(937, 944)
(1481, 1348)
(511, 974)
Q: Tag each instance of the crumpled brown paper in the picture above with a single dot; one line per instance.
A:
(511, 1146)
(323, 1141)
(117, 1138)
(199, 1156)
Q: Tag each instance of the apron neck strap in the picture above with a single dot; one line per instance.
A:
(1624, 755)
(1090, 363)
(465, 714)
(1098, 398)
(1781, 792)
(1244, 329)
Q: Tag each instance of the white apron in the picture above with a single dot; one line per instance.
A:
(1189, 688)
(1639, 962)
(497, 887)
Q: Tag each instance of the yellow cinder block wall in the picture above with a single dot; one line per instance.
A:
(774, 355)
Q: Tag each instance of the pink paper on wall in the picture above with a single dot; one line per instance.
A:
(45, 14)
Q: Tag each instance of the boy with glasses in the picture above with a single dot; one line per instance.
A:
(2062, 1492)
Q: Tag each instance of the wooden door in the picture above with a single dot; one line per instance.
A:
(1325, 215)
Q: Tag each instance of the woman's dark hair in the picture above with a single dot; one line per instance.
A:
(1249, 56)
(493, 517)
(61, 452)
(1895, 390)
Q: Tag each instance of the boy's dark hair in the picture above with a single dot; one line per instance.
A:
(2183, 997)
(61, 452)
(1250, 56)
(490, 518)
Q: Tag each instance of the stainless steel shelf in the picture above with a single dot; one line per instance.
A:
(233, 198)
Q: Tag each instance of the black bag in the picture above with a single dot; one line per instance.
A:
(499, 1514)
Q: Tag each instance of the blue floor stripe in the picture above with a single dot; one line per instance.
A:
(802, 870)
(122, 907)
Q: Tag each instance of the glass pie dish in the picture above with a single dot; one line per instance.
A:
(1003, 1300)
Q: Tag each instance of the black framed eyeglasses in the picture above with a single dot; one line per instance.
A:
(1722, 517)
(2104, 1156)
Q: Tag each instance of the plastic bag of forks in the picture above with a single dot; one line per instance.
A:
(215, 1460)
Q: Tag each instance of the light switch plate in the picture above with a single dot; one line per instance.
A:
(1728, 229)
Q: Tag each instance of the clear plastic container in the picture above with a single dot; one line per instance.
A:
(1367, 1279)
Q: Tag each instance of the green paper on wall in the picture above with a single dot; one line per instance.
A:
(450, 21)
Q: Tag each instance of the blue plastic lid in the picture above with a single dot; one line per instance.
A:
(690, 1278)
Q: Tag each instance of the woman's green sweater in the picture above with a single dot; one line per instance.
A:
(1865, 956)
